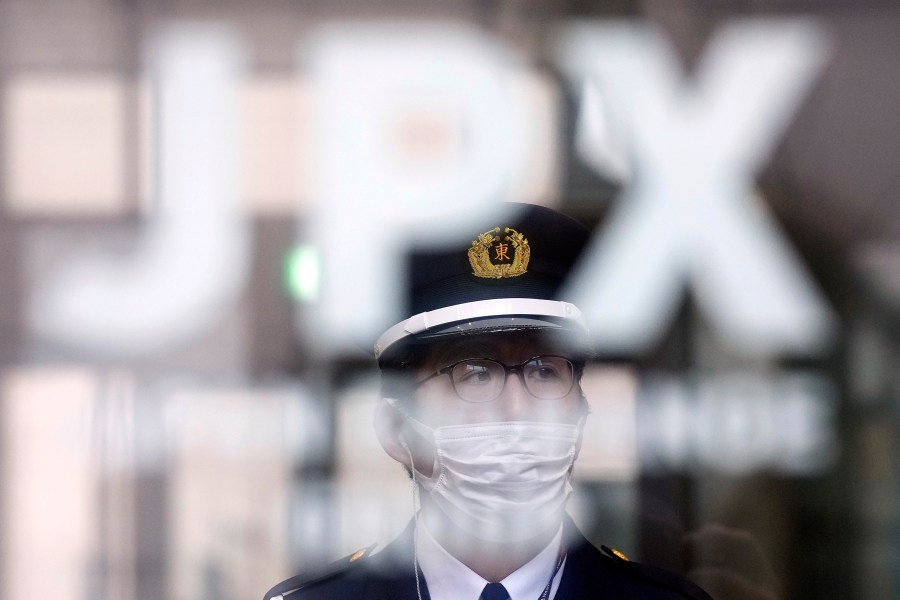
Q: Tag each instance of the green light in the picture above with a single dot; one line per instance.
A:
(301, 273)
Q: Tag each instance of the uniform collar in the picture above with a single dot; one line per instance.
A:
(449, 579)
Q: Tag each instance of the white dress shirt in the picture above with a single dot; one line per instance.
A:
(449, 579)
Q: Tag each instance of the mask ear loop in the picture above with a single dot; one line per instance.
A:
(581, 421)
(417, 505)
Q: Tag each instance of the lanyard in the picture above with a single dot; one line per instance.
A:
(559, 561)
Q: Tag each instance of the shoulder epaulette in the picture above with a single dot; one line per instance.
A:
(304, 580)
(661, 577)
(615, 554)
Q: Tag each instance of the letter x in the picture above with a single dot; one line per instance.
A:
(689, 212)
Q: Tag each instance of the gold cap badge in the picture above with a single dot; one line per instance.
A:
(493, 256)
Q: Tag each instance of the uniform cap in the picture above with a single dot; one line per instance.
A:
(505, 276)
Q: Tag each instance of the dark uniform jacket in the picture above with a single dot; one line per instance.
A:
(388, 575)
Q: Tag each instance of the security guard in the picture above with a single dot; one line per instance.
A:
(482, 405)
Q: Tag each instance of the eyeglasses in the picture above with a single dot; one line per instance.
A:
(483, 379)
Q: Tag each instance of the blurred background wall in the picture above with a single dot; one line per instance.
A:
(205, 206)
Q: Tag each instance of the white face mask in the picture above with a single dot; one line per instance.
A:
(502, 482)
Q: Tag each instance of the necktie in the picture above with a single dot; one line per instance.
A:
(494, 591)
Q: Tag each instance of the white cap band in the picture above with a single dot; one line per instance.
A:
(478, 310)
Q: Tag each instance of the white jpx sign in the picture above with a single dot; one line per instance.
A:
(687, 149)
